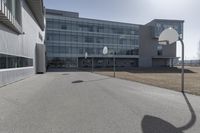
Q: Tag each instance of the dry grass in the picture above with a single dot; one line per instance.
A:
(169, 78)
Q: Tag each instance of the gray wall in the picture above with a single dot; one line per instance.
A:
(40, 58)
(20, 45)
(148, 48)
(169, 51)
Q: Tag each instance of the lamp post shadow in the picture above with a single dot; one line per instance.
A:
(151, 124)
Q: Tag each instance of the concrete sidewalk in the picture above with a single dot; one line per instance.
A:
(51, 103)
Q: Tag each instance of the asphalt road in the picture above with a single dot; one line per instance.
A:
(51, 103)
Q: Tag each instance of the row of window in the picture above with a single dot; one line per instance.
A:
(91, 45)
(51, 50)
(14, 6)
(9, 61)
(91, 27)
(60, 62)
(107, 62)
(92, 39)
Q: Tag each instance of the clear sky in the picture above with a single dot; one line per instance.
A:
(141, 12)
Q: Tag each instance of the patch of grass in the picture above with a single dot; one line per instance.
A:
(169, 78)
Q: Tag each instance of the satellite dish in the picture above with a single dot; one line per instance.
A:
(105, 50)
(168, 36)
(86, 55)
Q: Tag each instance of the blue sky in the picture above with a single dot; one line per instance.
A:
(141, 12)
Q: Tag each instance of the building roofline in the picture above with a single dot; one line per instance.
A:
(60, 13)
(103, 20)
(168, 20)
(119, 22)
(37, 8)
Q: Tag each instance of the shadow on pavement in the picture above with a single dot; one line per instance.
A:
(151, 124)
(96, 80)
(81, 81)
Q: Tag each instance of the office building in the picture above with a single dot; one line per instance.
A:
(69, 37)
(22, 30)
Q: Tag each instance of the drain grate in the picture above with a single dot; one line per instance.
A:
(77, 81)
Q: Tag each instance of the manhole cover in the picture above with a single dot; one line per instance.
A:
(77, 81)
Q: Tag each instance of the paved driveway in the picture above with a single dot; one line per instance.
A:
(51, 103)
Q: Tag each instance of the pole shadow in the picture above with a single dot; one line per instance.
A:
(82, 81)
(152, 124)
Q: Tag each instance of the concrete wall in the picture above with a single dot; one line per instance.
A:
(169, 51)
(40, 58)
(20, 45)
(15, 74)
(148, 48)
(160, 62)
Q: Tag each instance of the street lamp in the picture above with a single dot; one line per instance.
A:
(170, 36)
(105, 51)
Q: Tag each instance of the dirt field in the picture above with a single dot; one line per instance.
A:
(169, 78)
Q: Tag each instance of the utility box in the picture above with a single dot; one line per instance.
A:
(40, 59)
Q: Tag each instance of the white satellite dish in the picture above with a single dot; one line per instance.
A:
(168, 36)
(86, 55)
(105, 50)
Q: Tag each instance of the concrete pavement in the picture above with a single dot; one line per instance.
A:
(51, 103)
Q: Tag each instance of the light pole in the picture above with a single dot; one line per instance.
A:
(170, 36)
(92, 64)
(114, 61)
(114, 64)
(86, 55)
(105, 51)
(182, 70)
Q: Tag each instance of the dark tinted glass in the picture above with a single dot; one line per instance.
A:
(9, 61)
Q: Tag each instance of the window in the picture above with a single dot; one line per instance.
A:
(63, 26)
(99, 40)
(100, 29)
(159, 50)
(89, 39)
(9, 61)
(74, 38)
(2, 61)
(15, 10)
(62, 37)
(90, 28)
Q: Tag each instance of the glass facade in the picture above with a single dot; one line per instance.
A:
(162, 25)
(10, 61)
(67, 40)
